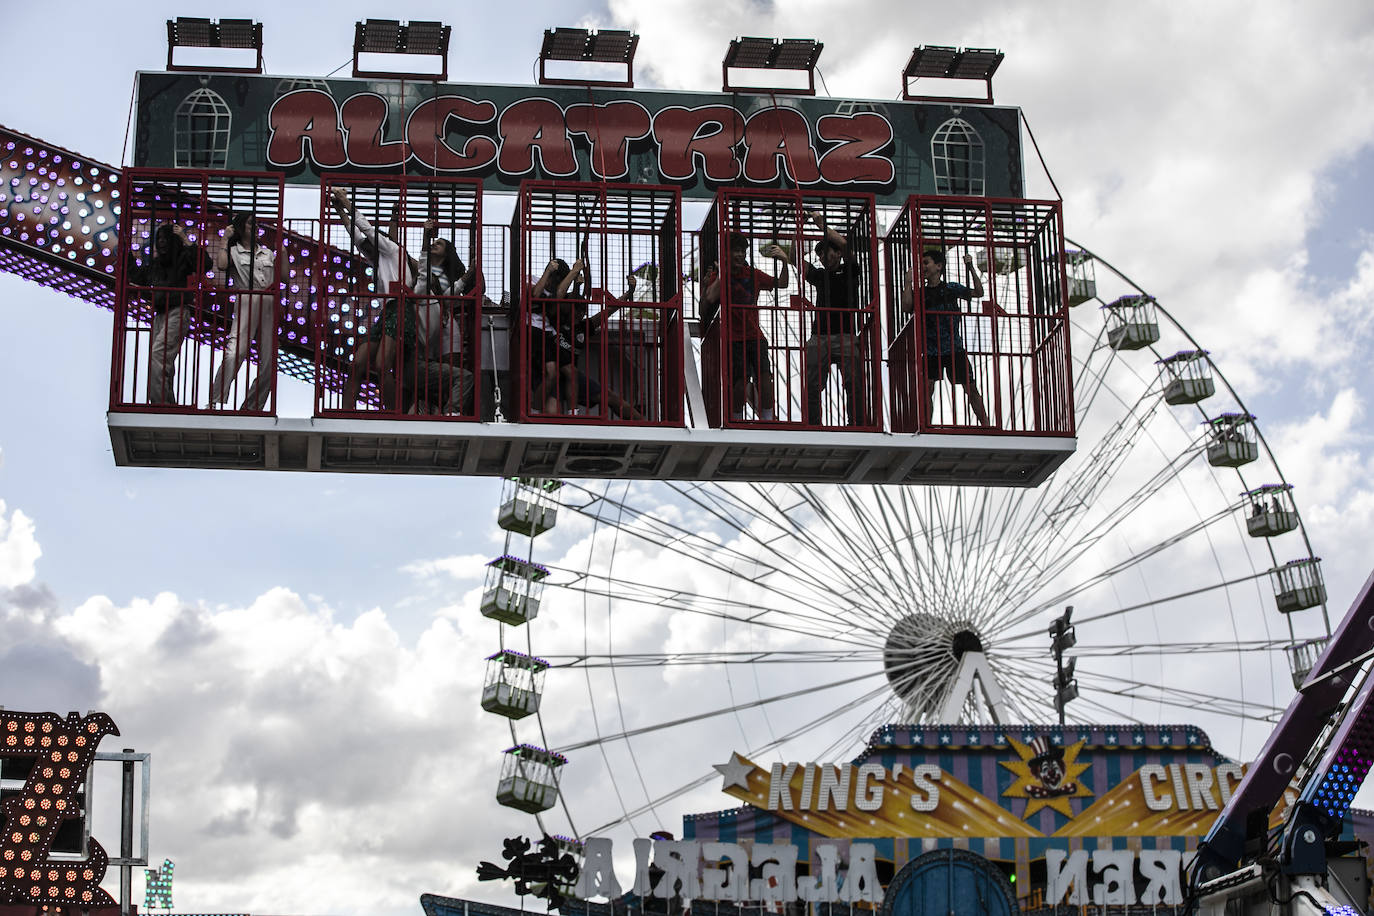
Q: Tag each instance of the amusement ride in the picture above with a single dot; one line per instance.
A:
(748, 521)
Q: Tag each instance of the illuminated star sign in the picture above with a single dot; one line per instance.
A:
(736, 772)
(1030, 783)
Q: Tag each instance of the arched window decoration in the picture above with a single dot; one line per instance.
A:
(956, 151)
(202, 131)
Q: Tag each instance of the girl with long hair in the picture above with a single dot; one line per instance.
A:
(252, 272)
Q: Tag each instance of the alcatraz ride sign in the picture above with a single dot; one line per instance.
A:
(503, 134)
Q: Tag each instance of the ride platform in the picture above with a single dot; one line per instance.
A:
(417, 446)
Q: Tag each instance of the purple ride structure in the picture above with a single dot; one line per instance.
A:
(676, 397)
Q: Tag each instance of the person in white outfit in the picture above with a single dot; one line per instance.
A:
(394, 336)
(444, 385)
(252, 270)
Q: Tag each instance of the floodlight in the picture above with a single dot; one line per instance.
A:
(607, 46)
(235, 34)
(794, 54)
(389, 36)
(946, 63)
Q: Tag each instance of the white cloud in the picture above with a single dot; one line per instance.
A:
(19, 550)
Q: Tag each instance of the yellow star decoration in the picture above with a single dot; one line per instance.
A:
(1025, 779)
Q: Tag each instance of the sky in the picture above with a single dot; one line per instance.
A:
(302, 653)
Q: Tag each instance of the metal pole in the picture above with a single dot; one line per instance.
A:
(126, 835)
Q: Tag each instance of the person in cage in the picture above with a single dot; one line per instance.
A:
(945, 353)
(393, 337)
(252, 272)
(167, 271)
(749, 363)
(444, 384)
(835, 340)
(559, 332)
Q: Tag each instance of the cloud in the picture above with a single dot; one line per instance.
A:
(276, 729)
(19, 550)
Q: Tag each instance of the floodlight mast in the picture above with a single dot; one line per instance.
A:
(1063, 638)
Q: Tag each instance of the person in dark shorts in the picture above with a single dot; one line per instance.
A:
(834, 340)
(945, 353)
(748, 346)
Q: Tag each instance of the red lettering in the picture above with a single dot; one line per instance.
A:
(364, 116)
(535, 125)
(301, 117)
(860, 137)
(708, 134)
(428, 126)
(776, 135)
(610, 127)
(62, 751)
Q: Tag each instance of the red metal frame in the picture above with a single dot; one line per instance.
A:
(790, 325)
(1016, 337)
(435, 351)
(634, 357)
(177, 369)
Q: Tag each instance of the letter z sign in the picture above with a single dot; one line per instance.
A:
(61, 751)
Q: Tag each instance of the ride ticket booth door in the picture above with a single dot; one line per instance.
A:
(598, 327)
(399, 324)
(977, 318)
(198, 298)
(789, 311)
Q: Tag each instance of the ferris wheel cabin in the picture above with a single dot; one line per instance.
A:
(658, 303)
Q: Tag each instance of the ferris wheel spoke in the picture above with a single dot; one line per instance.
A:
(827, 554)
(756, 657)
(1070, 559)
(1098, 650)
(722, 711)
(787, 568)
(745, 613)
(1177, 697)
(1085, 540)
(823, 719)
(724, 560)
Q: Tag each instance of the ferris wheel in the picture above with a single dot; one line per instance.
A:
(679, 622)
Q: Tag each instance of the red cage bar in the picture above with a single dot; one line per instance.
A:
(399, 328)
(598, 334)
(979, 343)
(796, 342)
(197, 292)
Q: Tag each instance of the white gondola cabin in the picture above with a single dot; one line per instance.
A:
(1272, 510)
(529, 505)
(1131, 323)
(1298, 585)
(529, 778)
(513, 590)
(1187, 377)
(1234, 440)
(1303, 656)
(513, 684)
(1082, 278)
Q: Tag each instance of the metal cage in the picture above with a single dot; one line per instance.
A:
(1298, 585)
(529, 778)
(801, 353)
(607, 346)
(1234, 440)
(1187, 377)
(189, 309)
(1008, 350)
(400, 330)
(514, 684)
